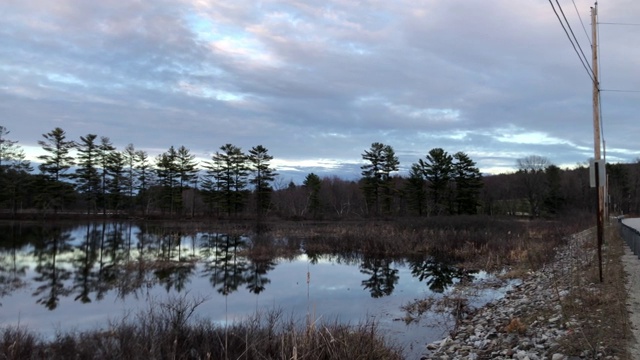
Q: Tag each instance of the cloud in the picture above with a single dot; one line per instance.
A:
(318, 80)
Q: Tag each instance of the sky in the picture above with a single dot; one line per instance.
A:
(317, 82)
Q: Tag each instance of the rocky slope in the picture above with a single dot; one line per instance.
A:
(530, 321)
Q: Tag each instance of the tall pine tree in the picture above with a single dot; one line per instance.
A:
(262, 175)
(377, 183)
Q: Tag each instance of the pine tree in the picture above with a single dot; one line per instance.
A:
(116, 180)
(313, 183)
(382, 161)
(130, 174)
(261, 177)
(105, 151)
(468, 182)
(86, 175)
(167, 173)
(8, 149)
(144, 179)
(415, 189)
(187, 172)
(229, 171)
(15, 177)
(438, 171)
(53, 192)
(212, 184)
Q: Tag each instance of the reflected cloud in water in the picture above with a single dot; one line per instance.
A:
(57, 276)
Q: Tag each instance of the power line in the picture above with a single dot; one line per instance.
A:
(585, 65)
(621, 91)
(579, 17)
(616, 23)
(574, 35)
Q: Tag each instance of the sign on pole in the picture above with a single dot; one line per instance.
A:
(601, 173)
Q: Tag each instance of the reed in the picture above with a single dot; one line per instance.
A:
(167, 331)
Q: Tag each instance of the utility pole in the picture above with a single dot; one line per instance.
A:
(596, 135)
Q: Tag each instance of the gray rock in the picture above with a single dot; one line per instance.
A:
(499, 330)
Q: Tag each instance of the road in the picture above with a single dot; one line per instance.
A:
(632, 268)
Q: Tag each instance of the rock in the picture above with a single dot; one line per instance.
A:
(433, 345)
(485, 333)
(555, 319)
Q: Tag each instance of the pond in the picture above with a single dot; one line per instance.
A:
(74, 277)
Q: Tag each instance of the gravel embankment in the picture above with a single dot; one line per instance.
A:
(528, 322)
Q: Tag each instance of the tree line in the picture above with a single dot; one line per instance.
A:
(102, 180)
(91, 176)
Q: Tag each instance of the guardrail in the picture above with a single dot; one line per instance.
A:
(631, 236)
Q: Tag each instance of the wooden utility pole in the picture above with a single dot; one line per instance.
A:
(596, 135)
(596, 90)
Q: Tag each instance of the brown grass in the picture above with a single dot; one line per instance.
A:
(166, 331)
(596, 312)
(478, 242)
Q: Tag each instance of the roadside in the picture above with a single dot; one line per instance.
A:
(631, 264)
(558, 312)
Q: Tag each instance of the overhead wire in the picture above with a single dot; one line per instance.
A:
(574, 37)
(621, 91)
(585, 65)
(581, 23)
(617, 23)
(581, 55)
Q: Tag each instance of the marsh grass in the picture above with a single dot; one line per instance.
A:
(483, 242)
(480, 242)
(168, 330)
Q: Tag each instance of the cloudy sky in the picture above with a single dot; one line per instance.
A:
(317, 82)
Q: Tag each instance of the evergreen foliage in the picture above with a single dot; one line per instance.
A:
(439, 184)
(86, 176)
(262, 175)
(313, 184)
(377, 185)
(468, 182)
(53, 193)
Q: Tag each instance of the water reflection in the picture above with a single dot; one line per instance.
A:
(439, 275)
(382, 278)
(86, 262)
(261, 260)
(85, 278)
(13, 268)
(225, 268)
(51, 274)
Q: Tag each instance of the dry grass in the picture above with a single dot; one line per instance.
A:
(167, 331)
(596, 312)
(478, 242)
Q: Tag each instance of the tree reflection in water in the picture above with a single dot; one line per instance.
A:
(382, 278)
(438, 274)
(54, 243)
(85, 279)
(225, 267)
(261, 260)
(87, 262)
(173, 270)
(13, 268)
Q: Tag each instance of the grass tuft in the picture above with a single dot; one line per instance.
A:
(167, 331)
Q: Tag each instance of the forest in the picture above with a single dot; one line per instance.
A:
(89, 176)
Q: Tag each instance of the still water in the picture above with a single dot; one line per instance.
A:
(74, 277)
